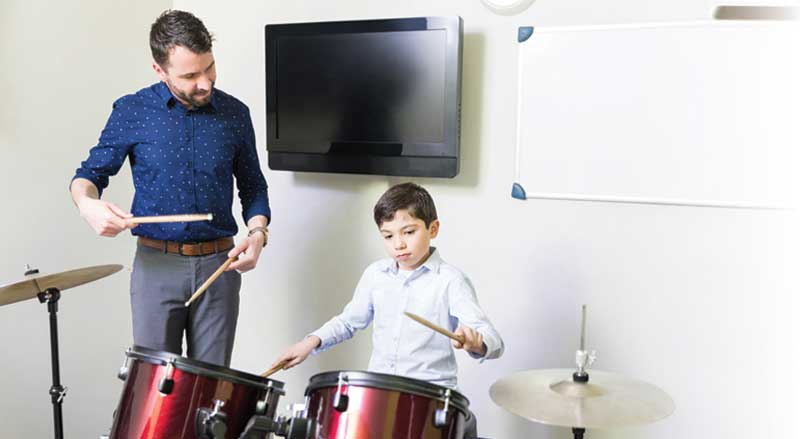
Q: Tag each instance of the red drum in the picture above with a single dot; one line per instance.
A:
(167, 396)
(366, 405)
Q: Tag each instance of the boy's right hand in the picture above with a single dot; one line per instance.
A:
(298, 352)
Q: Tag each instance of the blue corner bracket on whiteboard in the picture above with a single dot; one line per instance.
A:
(518, 192)
(524, 33)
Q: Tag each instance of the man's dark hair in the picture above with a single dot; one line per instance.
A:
(178, 28)
(408, 196)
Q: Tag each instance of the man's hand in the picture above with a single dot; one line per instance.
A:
(105, 218)
(248, 252)
(473, 341)
(298, 352)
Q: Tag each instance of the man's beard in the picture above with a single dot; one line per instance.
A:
(193, 98)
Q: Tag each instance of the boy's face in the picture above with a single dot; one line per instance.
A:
(407, 240)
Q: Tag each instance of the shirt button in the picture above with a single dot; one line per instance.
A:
(189, 163)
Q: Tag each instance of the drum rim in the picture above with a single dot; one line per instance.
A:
(361, 378)
(202, 368)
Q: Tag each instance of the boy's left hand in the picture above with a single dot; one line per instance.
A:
(473, 341)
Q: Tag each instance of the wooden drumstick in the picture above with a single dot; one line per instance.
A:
(276, 368)
(210, 280)
(437, 328)
(170, 218)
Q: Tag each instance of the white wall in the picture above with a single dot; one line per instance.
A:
(698, 301)
(61, 66)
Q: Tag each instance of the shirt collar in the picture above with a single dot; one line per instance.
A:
(433, 263)
(169, 101)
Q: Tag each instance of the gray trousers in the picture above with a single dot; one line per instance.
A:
(160, 285)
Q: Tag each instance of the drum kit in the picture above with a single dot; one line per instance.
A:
(169, 396)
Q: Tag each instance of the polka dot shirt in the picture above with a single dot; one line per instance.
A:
(182, 161)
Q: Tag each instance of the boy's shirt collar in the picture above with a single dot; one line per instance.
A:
(433, 263)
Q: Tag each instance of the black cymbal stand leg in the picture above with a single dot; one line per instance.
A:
(577, 433)
(57, 391)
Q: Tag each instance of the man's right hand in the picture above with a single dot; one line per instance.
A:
(107, 219)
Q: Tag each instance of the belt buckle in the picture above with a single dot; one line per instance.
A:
(181, 244)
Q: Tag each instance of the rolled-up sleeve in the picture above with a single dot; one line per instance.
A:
(106, 158)
(464, 306)
(249, 180)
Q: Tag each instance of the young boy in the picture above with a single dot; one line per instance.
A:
(417, 280)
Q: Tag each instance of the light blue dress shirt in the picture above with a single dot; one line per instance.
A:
(436, 291)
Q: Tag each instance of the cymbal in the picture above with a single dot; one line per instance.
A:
(549, 396)
(32, 285)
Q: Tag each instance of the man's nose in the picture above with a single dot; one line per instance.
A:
(204, 83)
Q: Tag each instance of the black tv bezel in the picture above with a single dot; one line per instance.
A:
(443, 161)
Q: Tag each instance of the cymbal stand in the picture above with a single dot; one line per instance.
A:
(57, 391)
(583, 359)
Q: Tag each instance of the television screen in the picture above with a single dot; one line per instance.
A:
(373, 96)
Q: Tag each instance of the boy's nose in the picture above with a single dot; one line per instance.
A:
(399, 244)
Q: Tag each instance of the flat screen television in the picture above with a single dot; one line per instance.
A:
(365, 97)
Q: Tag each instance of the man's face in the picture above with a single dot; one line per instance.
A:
(407, 240)
(189, 76)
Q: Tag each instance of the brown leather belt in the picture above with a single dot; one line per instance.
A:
(189, 248)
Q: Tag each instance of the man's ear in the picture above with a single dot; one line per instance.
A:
(434, 228)
(159, 71)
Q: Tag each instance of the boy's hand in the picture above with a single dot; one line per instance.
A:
(298, 352)
(473, 341)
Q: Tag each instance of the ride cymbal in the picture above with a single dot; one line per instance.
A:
(550, 396)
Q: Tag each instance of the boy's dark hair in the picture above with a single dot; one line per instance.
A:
(178, 28)
(409, 196)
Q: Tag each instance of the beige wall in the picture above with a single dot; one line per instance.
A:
(697, 301)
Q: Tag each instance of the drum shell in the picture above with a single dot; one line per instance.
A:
(143, 412)
(381, 409)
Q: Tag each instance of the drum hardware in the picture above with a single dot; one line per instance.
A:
(211, 423)
(340, 400)
(47, 289)
(260, 427)
(606, 401)
(440, 416)
(123, 370)
(166, 384)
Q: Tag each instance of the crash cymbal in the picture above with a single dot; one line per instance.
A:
(32, 285)
(550, 396)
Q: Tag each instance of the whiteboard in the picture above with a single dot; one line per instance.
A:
(701, 113)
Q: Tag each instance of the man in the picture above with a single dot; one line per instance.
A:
(186, 141)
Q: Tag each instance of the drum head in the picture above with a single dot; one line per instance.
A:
(202, 368)
(387, 382)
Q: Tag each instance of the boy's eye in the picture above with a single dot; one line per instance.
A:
(387, 236)
(410, 232)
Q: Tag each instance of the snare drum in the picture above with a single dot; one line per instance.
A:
(358, 405)
(167, 396)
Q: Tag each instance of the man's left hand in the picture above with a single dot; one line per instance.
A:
(248, 252)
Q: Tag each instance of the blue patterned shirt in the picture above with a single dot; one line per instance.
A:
(436, 291)
(183, 161)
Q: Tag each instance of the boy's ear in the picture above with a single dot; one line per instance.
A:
(434, 228)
